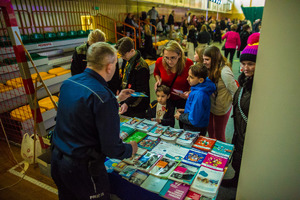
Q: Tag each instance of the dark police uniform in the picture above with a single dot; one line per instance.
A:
(87, 130)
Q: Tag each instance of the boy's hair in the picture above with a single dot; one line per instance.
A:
(199, 70)
(124, 45)
(163, 88)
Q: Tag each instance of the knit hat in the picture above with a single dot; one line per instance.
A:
(250, 51)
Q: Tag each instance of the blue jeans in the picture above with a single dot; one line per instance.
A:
(74, 181)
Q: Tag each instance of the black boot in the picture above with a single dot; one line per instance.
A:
(230, 182)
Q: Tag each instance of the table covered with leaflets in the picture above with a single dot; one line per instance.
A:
(169, 164)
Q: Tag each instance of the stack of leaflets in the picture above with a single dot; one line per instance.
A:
(187, 138)
(207, 182)
(215, 161)
(137, 136)
(164, 167)
(147, 161)
(184, 173)
(194, 157)
(171, 134)
(140, 152)
(126, 131)
(146, 125)
(223, 149)
(154, 184)
(204, 143)
(158, 130)
(138, 177)
(170, 150)
(174, 190)
(134, 121)
(128, 171)
(124, 118)
(110, 164)
(149, 142)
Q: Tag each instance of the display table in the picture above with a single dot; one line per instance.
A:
(129, 191)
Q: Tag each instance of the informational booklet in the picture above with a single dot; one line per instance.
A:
(138, 177)
(174, 190)
(204, 143)
(146, 125)
(207, 182)
(158, 130)
(154, 184)
(136, 136)
(140, 152)
(124, 118)
(184, 173)
(194, 157)
(128, 171)
(149, 142)
(171, 134)
(170, 150)
(187, 138)
(125, 131)
(223, 149)
(164, 167)
(215, 161)
(134, 121)
(147, 161)
(110, 164)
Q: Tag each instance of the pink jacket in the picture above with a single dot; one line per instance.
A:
(232, 40)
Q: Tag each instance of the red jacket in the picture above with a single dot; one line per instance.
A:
(180, 83)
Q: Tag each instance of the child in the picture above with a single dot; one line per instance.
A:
(161, 110)
(195, 116)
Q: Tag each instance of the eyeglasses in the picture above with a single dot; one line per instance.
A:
(173, 58)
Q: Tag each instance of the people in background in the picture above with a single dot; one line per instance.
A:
(149, 52)
(232, 43)
(185, 26)
(217, 33)
(171, 23)
(128, 20)
(87, 129)
(172, 70)
(153, 16)
(161, 109)
(241, 103)
(134, 76)
(195, 116)
(244, 35)
(79, 62)
(192, 37)
(203, 37)
(220, 73)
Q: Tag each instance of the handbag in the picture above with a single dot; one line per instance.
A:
(27, 148)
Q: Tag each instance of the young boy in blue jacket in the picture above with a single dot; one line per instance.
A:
(195, 116)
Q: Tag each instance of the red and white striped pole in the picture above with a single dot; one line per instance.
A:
(12, 28)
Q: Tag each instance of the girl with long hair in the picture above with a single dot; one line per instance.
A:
(221, 101)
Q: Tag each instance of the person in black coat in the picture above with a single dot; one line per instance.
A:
(244, 35)
(203, 37)
(192, 36)
(162, 110)
(171, 23)
(241, 103)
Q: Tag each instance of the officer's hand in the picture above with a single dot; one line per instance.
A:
(124, 94)
(123, 108)
(134, 147)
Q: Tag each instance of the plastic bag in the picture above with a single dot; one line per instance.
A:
(27, 145)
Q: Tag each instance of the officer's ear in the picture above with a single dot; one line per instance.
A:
(110, 68)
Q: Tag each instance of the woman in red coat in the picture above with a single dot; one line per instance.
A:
(172, 70)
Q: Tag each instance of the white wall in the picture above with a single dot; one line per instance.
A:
(271, 159)
(246, 3)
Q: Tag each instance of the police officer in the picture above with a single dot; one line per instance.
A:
(87, 129)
